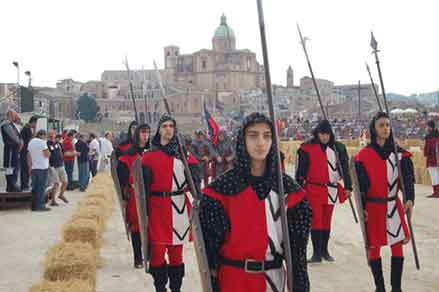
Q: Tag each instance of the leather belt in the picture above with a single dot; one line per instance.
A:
(167, 194)
(253, 266)
(380, 200)
(333, 185)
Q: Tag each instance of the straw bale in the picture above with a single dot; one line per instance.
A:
(73, 285)
(68, 261)
(83, 230)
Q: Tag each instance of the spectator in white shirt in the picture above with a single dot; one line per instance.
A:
(106, 151)
(38, 157)
(94, 154)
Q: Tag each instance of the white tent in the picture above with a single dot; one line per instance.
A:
(410, 111)
(397, 111)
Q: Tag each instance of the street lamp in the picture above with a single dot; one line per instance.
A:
(28, 74)
(15, 63)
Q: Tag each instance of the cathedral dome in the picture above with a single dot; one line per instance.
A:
(223, 30)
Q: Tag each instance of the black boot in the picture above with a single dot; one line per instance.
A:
(176, 274)
(137, 250)
(325, 253)
(316, 239)
(396, 273)
(160, 276)
(377, 272)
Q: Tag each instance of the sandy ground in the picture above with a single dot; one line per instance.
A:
(349, 273)
(25, 237)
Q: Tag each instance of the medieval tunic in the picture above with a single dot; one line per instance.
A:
(168, 202)
(244, 226)
(430, 153)
(241, 225)
(317, 171)
(126, 180)
(199, 150)
(318, 168)
(379, 180)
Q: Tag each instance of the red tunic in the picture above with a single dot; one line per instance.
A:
(322, 170)
(131, 210)
(386, 223)
(254, 223)
(168, 220)
(430, 151)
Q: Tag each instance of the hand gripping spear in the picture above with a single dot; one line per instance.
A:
(374, 88)
(374, 45)
(131, 88)
(197, 234)
(340, 168)
(280, 183)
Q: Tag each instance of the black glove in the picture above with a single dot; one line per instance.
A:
(215, 285)
(126, 195)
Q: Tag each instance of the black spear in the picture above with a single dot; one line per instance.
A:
(200, 248)
(280, 183)
(340, 168)
(374, 88)
(131, 88)
(374, 45)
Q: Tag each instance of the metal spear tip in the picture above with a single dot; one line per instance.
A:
(373, 42)
(15, 63)
(27, 73)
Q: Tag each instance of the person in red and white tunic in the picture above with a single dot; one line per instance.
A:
(140, 144)
(318, 172)
(168, 206)
(240, 218)
(431, 154)
(126, 144)
(385, 213)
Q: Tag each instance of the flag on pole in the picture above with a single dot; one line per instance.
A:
(211, 125)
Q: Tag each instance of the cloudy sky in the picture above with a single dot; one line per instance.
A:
(79, 39)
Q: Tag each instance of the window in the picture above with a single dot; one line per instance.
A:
(168, 54)
(204, 64)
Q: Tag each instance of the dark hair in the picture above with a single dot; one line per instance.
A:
(41, 133)
(431, 124)
(33, 119)
(92, 136)
(71, 133)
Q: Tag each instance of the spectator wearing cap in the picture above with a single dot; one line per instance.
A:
(27, 134)
(431, 154)
(38, 157)
(83, 162)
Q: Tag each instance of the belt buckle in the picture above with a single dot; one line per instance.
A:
(253, 271)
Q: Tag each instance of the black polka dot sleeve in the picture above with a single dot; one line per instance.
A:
(408, 174)
(299, 225)
(215, 224)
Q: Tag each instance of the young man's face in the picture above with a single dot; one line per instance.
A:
(167, 130)
(382, 127)
(133, 130)
(258, 140)
(324, 138)
(52, 136)
(144, 135)
(221, 137)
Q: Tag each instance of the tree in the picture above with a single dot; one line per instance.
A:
(87, 108)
